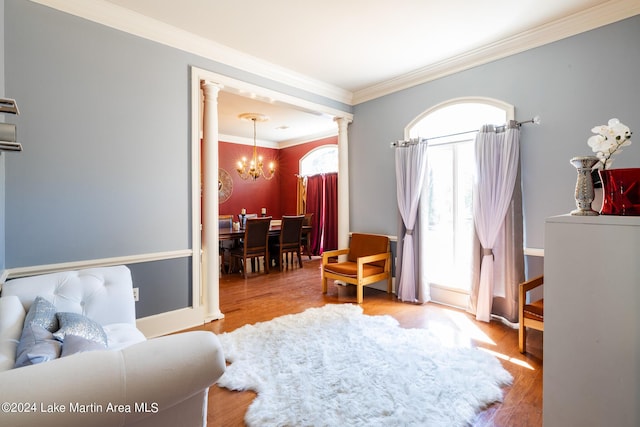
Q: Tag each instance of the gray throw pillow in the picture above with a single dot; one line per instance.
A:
(42, 313)
(74, 344)
(81, 326)
(36, 345)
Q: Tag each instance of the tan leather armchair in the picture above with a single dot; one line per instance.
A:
(368, 261)
(530, 315)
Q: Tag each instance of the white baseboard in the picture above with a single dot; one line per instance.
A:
(171, 321)
(451, 297)
(382, 286)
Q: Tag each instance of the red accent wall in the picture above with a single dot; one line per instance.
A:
(249, 194)
(277, 195)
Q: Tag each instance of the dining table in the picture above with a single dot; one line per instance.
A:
(231, 234)
(228, 233)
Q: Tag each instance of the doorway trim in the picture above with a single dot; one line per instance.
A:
(243, 88)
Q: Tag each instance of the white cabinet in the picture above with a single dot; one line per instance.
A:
(592, 321)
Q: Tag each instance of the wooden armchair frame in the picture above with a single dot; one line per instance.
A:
(361, 277)
(525, 311)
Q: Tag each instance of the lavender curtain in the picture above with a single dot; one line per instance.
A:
(497, 162)
(411, 166)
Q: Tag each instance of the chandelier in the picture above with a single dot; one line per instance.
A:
(253, 168)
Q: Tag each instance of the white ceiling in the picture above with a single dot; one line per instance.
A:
(346, 50)
(285, 125)
(353, 44)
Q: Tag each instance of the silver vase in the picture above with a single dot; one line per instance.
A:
(584, 185)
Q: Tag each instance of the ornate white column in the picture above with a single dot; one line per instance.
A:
(343, 182)
(209, 156)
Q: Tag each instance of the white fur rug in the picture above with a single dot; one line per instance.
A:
(334, 366)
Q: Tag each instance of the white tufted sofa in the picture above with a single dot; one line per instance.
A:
(135, 382)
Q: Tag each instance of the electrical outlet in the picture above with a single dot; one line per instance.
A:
(136, 294)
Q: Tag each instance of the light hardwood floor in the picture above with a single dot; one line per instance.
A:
(262, 297)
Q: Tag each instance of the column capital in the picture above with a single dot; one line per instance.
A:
(210, 88)
(342, 120)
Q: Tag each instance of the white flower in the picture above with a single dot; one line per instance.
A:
(608, 140)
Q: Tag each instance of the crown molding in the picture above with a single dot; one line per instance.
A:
(131, 22)
(116, 17)
(234, 85)
(597, 16)
(233, 139)
(241, 140)
(308, 138)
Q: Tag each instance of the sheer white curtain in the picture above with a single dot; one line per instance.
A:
(497, 161)
(411, 166)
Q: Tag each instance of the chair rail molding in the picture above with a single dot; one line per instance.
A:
(151, 326)
(12, 273)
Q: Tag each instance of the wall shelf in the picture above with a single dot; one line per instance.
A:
(8, 132)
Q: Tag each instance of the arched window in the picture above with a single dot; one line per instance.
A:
(323, 159)
(446, 211)
(317, 195)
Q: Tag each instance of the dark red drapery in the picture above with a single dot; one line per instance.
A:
(330, 241)
(315, 191)
(322, 201)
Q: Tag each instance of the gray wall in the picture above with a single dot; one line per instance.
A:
(105, 126)
(573, 84)
(105, 167)
(174, 274)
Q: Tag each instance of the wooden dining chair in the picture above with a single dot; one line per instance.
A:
(225, 221)
(255, 244)
(288, 242)
(243, 218)
(305, 240)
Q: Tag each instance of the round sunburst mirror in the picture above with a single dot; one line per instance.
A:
(225, 185)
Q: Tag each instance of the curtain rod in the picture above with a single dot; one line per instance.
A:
(512, 123)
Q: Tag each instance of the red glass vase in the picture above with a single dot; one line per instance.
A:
(620, 191)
